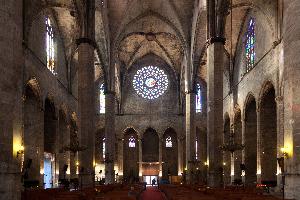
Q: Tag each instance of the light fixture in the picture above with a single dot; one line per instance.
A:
(232, 146)
(285, 151)
(20, 151)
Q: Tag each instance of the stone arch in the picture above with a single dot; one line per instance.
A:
(268, 131)
(34, 85)
(169, 154)
(147, 14)
(130, 155)
(150, 146)
(266, 87)
(250, 141)
(226, 155)
(133, 128)
(33, 130)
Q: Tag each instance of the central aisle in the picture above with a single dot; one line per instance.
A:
(152, 193)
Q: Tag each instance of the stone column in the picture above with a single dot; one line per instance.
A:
(190, 131)
(243, 142)
(280, 136)
(73, 156)
(140, 159)
(232, 177)
(110, 137)
(86, 110)
(180, 156)
(160, 148)
(11, 76)
(291, 61)
(215, 63)
(259, 151)
(120, 158)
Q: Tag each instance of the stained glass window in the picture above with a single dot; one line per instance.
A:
(131, 143)
(250, 45)
(103, 148)
(50, 46)
(198, 99)
(150, 82)
(102, 99)
(169, 142)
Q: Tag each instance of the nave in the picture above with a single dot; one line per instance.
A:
(141, 192)
(99, 96)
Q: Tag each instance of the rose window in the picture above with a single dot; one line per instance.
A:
(150, 82)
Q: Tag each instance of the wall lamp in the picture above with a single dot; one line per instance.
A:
(285, 151)
(20, 151)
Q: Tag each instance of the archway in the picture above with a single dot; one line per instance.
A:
(33, 127)
(170, 154)
(150, 158)
(226, 154)
(238, 140)
(130, 156)
(268, 130)
(250, 142)
(150, 146)
(50, 143)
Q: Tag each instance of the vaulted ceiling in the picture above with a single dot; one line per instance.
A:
(140, 27)
(130, 29)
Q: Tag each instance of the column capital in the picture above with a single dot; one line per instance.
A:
(279, 99)
(216, 39)
(258, 110)
(82, 40)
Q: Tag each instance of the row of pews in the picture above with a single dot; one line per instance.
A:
(104, 192)
(194, 192)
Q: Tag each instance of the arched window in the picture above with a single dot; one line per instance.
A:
(102, 99)
(131, 141)
(50, 51)
(250, 45)
(103, 148)
(198, 99)
(169, 143)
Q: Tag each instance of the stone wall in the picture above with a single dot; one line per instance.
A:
(26, 83)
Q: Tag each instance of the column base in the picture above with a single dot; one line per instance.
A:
(86, 180)
(214, 179)
(109, 173)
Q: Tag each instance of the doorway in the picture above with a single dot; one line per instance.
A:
(148, 180)
(48, 170)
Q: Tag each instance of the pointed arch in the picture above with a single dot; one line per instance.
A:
(250, 140)
(268, 132)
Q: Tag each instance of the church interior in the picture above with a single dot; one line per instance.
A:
(149, 99)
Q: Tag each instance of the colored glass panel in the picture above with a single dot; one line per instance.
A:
(150, 82)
